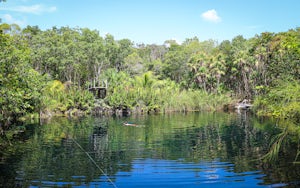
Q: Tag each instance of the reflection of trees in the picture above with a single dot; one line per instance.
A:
(228, 139)
(99, 140)
(51, 153)
(13, 144)
(287, 138)
(284, 148)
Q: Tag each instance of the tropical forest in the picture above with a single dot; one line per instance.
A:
(71, 73)
(48, 73)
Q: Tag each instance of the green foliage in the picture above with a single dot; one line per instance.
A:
(281, 101)
(194, 75)
(133, 64)
(63, 98)
(20, 84)
(174, 65)
(119, 84)
(146, 93)
(277, 143)
(81, 55)
(196, 100)
(287, 137)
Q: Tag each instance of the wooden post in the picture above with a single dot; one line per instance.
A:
(105, 82)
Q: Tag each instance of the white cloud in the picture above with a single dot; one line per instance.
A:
(33, 9)
(211, 16)
(7, 18)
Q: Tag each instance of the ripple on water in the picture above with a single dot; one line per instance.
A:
(169, 173)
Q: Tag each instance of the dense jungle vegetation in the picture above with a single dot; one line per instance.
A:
(49, 72)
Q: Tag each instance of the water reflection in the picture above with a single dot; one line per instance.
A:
(179, 150)
(169, 173)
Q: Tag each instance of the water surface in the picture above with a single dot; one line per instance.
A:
(178, 150)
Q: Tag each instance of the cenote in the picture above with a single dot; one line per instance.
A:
(176, 150)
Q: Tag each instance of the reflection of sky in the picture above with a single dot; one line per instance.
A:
(165, 173)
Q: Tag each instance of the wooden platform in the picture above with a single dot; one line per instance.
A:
(99, 92)
(99, 89)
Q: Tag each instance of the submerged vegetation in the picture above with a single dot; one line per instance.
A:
(49, 72)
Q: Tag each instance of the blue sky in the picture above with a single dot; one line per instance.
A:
(155, 21)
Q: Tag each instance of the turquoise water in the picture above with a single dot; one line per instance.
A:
(178, 150)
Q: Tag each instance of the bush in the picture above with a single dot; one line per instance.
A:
(58, 99)
(147, 93)
(281, 101)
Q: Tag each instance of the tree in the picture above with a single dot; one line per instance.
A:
(285, 54)
(133, 64)
(4, 28)
(174, 66)
(91, 56)
(199, 72)
(261, 56)
(125, 49)
(175, 63)
(240, 67)
(152, 57)
(20, 84)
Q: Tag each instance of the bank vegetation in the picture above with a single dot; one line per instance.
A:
(46, 73)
